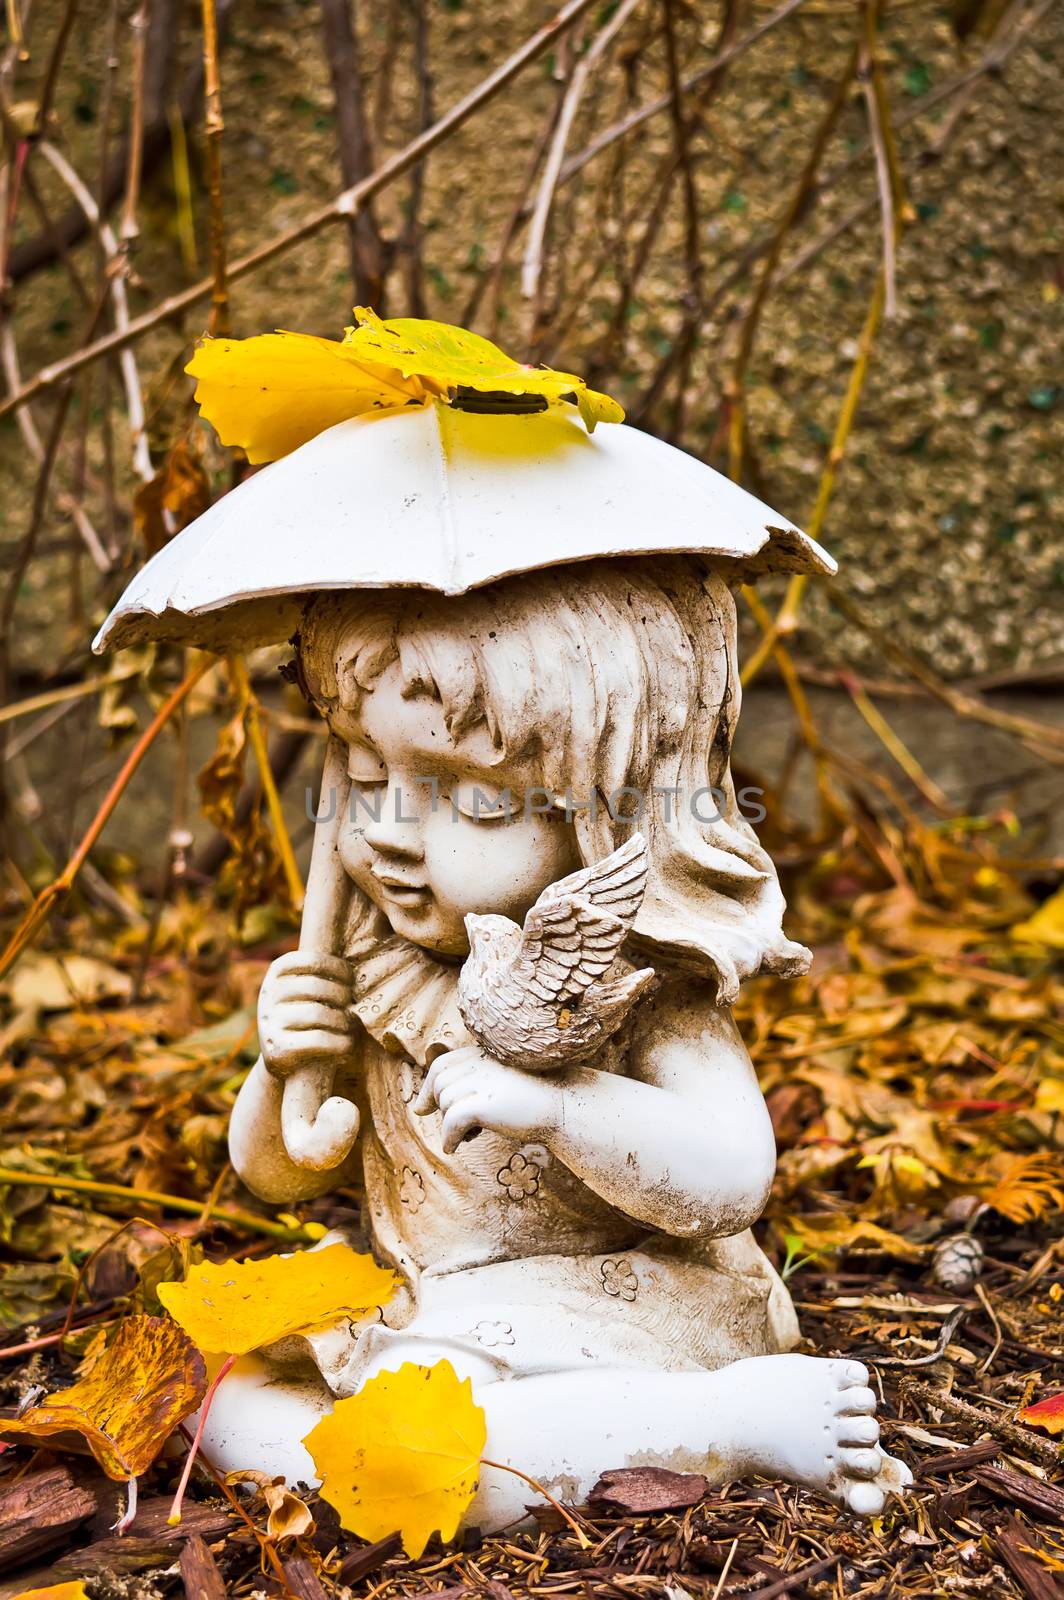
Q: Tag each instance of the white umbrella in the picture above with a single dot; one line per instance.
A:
(441, 499)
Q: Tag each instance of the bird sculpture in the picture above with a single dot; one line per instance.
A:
(538, 997)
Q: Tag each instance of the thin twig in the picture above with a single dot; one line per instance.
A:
(53, 892)
(142, 461)
(653, 108)
(1046, 740)
(798, 202)
(340, 37)
(894, 746)
(215, 128)
(139, 24)
(786, 619)
(238, 673)
(1021, 1439)
(532, 265)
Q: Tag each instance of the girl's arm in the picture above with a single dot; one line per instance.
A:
(683, 1144)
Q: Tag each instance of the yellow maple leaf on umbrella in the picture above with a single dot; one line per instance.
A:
(271, 393)
(457, 360)
(402, 1455)
(232, 1307)
(148, 1380)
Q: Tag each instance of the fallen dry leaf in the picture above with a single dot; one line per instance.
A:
(642, 1490)
(231, 1307)
(289, 1516)
(150, 1377)
(402, 1455)
(1047, 1413)
(1044, 926)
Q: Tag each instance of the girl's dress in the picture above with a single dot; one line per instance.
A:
(505, 1257)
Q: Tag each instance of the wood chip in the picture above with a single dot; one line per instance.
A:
(199, 1572)
(359, 1563)
(39, 1512)
(1039, 1499)
(303, 1580)
(1013, 1545)
(959, 1460)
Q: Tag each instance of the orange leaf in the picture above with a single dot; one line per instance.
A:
(149, 1378)
(1047, 1414)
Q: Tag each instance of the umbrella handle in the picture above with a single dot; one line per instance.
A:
(318, 1127)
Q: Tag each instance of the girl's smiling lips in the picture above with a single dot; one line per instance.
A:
(401, 889)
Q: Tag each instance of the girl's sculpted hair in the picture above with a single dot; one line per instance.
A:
(614, 676)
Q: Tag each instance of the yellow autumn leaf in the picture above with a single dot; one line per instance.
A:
(402, 1455)
(148, 1380)
(834, 1231)
(1046, 925)
(272, 393)
(57, 1591)
(237, 1306)
(1049, 1096)
(453, 359)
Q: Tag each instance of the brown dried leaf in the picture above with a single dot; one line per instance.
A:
(641, 1490)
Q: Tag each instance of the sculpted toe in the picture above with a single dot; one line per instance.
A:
(854, 1374)
(866, 1499)
(861, 1463)
(857, 1402)
(860, 1429)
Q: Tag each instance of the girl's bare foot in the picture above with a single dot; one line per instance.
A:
(813, 1421)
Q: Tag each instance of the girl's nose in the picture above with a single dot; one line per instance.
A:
(394, 828)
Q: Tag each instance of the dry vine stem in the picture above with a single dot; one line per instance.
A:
(733, 393)
(345, 204)
(232, 1217)
(249, 704)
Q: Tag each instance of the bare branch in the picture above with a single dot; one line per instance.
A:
(215, 128)
(126, 360)
(345, 204)
(339, 26)
(533, 258)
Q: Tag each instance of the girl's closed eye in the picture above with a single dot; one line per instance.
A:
(365, 768)
(485, 802)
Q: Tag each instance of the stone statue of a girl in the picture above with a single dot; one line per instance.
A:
(576, 1241)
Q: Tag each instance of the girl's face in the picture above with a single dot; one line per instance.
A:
(436, 829)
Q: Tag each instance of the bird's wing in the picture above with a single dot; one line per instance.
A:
(615, 884)
(567, 944)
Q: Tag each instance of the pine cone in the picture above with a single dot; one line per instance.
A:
(958, 1262)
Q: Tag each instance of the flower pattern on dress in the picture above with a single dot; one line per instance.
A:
(521, 1174)
(410, 1081)
(493, 1334)
(412, 1190)
(618, 1278)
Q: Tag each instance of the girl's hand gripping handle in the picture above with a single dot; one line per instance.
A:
(318, 1127)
